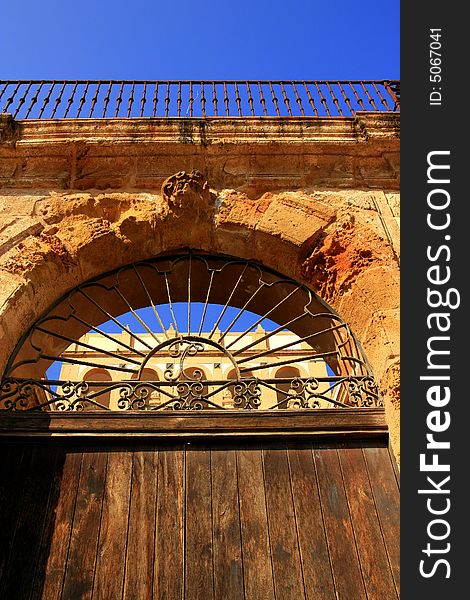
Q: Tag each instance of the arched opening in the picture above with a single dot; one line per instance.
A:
(149, 390)
(192, 317)
(99, 395)
(238, 392)
(287, 395)
(192, 388)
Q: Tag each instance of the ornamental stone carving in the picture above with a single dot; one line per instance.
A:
(187, 191)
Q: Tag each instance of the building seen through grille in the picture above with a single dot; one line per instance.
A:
(230, 335)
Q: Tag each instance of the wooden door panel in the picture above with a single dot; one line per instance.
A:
(318, 580)
(27, 515)
(170, 525)
(199, 574)
(82, 552)
(387, 503)
(67, 486)
(257, 566)
(376, 572)
(109, 572)
(140, 528)
(186, 521)
(283, 538)
(226, 529)
(339, 532)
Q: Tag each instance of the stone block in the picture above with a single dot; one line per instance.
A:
(296, 219)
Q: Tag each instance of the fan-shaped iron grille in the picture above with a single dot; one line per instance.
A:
(185, 332)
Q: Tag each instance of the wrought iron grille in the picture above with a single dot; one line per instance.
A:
(188, 332)
(47, 99)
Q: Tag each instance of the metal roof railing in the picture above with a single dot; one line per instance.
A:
(91, 99)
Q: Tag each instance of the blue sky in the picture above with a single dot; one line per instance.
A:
(180, 310)
(208, 39)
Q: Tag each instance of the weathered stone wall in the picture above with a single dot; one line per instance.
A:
(316, 200)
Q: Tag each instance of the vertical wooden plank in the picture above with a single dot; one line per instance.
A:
(318, 580)
(257, 566)
(141, 533)
(40, 570)
(55, 567)
(199, 583)
(80, 568)
(394, 464)
(288, 582)
(341, 543)
(169, 537)
(16, 458)
(228, 567)
(375, 567)
(387, 502)
(110, 561)
(33, 507)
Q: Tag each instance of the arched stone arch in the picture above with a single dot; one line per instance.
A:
(324, 239)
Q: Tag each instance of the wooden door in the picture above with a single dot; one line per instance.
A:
(199, 520)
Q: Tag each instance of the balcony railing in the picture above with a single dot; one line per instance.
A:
(195, 99)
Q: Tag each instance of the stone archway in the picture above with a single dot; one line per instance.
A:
(176, 488)
(334, 241)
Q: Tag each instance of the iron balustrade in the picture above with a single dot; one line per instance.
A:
(92, 99)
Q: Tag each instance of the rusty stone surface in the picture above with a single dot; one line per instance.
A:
(82, 199)
(251, 155)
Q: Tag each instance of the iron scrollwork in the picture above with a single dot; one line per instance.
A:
(247, 394)
(364, 392)
(195, 394)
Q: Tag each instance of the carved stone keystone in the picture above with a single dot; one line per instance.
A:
(187, 191)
